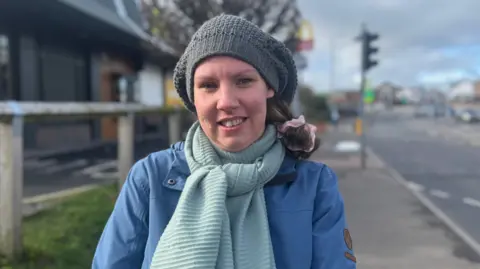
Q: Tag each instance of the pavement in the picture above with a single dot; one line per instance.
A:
(391, 227)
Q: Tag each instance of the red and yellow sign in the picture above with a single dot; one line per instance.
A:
(305, 36)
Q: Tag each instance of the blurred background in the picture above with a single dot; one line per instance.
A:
(412, 117)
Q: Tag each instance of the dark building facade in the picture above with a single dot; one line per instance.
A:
(71, 50)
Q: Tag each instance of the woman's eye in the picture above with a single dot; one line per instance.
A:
(208, 85)
(245, 81)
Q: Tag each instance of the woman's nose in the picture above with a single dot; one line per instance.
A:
(227, 99)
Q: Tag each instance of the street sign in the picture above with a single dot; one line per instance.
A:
(368, 93)
(305, 36)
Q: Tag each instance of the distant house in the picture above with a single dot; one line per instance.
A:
(464, 91)
(386, 92)
(410, 95)
(345, 100)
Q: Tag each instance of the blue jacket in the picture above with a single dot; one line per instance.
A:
(305, 213)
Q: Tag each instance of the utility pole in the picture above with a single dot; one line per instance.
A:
(301, 63)
(332, 65)
(366, 38)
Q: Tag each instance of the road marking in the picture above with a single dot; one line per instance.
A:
(347, 146)
(97, 171)
(440, 194)
(471, 202)
(98, 167)
(433, 133)
(475, 143)
(57, 168)
(32, 164)
(414, 186)
(105, 175)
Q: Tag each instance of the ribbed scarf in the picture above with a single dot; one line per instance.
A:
(220, 220)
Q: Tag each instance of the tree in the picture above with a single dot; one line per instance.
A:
(175, 21)
(315, 105)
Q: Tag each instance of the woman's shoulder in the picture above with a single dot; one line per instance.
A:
(313, 167)
(158, 165)
(159, 159)
(316, 173)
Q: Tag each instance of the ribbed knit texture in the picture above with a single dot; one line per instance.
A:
(236, 37)
(220, 220)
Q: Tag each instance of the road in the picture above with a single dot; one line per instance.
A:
(438, 157)
(45, 175)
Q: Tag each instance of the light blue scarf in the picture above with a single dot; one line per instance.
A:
(221, 219)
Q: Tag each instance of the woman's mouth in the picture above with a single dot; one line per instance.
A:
(232, 123)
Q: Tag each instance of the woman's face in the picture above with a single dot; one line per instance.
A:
(231, 102)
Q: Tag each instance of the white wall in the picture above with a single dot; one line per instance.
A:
(464, 89)
(151, 86)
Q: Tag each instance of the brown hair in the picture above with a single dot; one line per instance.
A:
(278, 112)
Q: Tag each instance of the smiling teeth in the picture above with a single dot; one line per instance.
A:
(231, 123)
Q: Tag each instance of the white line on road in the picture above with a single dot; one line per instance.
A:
(31, 164)
(104, 175)
(415, 186)
(98, 167)
(70, 165)
(475, 143)
(471, 202)
(440, 194)
(433, 133)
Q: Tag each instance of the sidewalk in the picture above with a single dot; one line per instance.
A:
(390, 228)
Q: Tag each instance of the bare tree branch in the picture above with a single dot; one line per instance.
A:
(175, 21)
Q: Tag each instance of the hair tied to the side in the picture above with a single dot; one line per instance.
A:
(296, 123)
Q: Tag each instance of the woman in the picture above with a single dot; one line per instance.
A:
(238, 193)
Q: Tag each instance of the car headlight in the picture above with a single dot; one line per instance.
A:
(466, 116)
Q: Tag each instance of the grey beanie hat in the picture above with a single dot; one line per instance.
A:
(236, 37)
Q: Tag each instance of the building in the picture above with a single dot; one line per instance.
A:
(387, 93)
(77, 50)
(345, 101)
(465, 91)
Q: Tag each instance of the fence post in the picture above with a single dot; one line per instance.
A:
(11, 186)
(126, 141)
(174, 127)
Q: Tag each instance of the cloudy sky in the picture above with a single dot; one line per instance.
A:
(422, 42)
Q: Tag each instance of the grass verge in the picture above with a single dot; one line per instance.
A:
(65, 236)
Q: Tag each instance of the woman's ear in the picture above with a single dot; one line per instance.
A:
(270, 93)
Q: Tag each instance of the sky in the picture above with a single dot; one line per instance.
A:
(422, 42)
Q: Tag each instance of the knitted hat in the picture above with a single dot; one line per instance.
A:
(233, 36)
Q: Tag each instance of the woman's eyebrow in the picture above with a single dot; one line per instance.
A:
(204, 77)
(231, 74)
(245, 71)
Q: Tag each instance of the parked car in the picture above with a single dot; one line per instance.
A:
(467, 115)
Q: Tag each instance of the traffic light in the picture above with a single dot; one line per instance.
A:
(368, 50)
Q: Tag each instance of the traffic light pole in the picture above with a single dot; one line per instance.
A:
(366, 38)
(363, 142)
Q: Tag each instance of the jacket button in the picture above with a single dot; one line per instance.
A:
(171, 181)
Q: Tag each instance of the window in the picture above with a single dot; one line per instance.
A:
(63, 74)
(4, 67)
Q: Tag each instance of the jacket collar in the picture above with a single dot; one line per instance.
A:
(179, 169)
